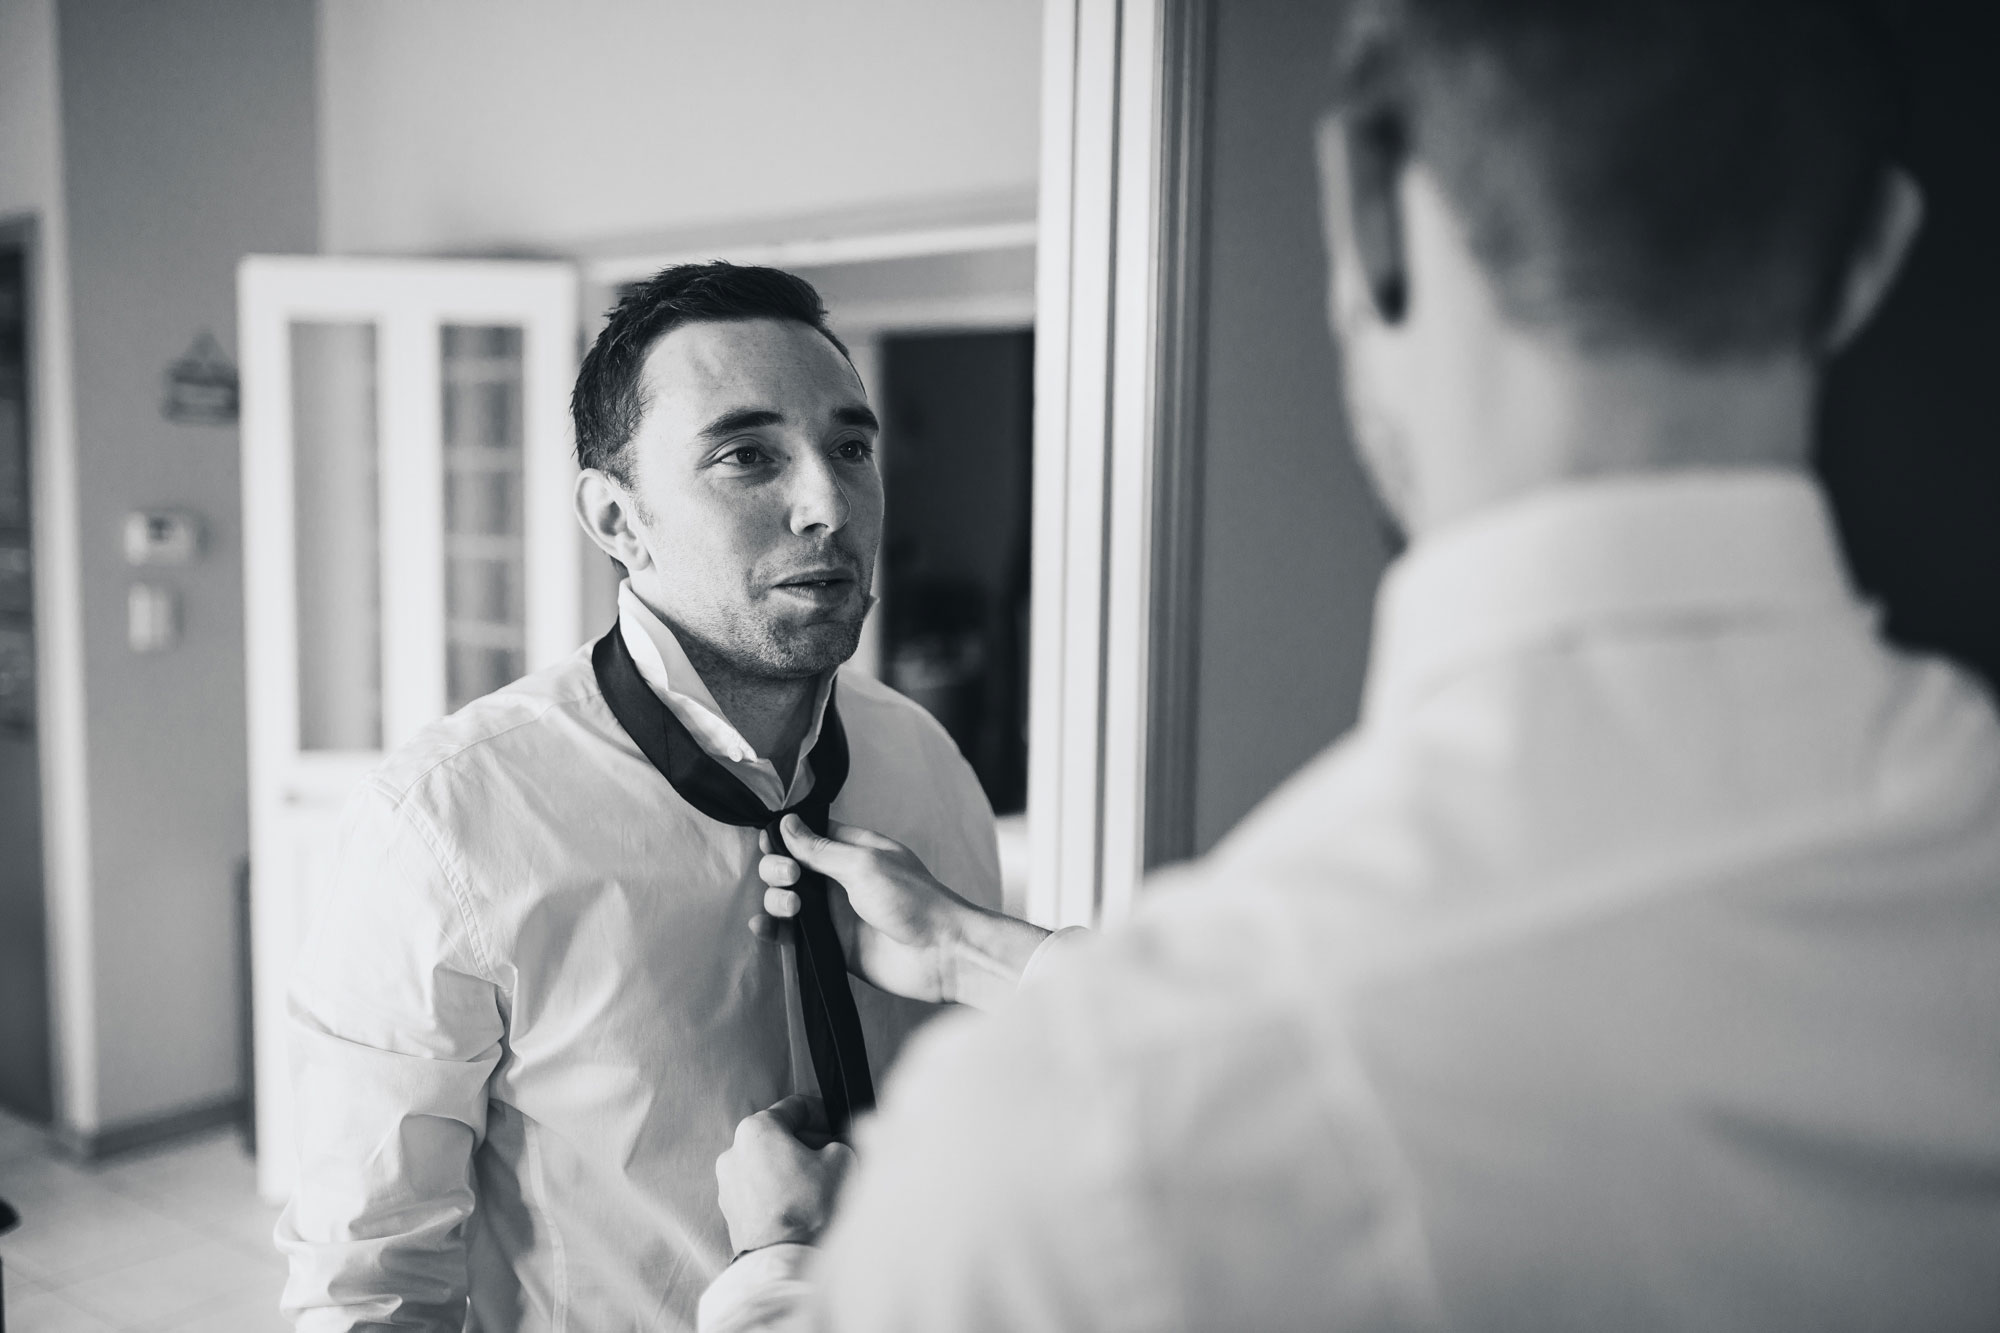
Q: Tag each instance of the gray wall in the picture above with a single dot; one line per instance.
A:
(188, 141)
(1292, 541)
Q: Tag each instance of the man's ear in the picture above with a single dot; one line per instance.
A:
(1362, 156)
(1893, 224)
(607, 511)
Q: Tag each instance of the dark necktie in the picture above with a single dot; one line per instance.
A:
(833, 1026)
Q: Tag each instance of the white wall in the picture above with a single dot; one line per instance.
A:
(496, 125)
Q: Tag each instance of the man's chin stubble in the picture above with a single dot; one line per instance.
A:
(790, 652)
(821, 645)
(758, 647)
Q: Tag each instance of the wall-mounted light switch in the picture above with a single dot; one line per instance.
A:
(162, 537)
(152, 618)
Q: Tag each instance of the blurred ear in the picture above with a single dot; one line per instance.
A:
(1893, 225)
(1361, 158)
(608, 513)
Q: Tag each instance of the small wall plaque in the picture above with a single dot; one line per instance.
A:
(162, 537)
(201, 386)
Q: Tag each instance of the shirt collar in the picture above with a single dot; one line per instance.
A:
(665, 666)
(1592, 553)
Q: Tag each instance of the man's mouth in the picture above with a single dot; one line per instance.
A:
(818, 584)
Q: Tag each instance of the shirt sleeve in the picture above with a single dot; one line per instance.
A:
(764, 1291)
(1054, 952)
(1165, 1132)
(997, 1189)
(395, 1027)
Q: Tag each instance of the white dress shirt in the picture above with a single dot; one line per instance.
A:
(1634, 964)
(531, 1013)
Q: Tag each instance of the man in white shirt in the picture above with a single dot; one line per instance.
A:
(1632, 964)
(528, 1016)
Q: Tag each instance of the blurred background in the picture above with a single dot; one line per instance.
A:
(261, 518)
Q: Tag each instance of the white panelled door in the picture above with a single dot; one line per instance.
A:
(408, 546)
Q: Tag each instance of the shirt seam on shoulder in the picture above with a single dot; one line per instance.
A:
(461, 896)
(402, 792)
(401, 803)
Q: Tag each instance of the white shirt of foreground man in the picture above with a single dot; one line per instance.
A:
(1630, 966)
(1644, 926)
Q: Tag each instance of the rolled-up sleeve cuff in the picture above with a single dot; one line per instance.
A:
(1057, 946)
(764, 1289)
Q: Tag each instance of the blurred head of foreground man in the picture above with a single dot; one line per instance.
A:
(528, 1016)
(1631, 965)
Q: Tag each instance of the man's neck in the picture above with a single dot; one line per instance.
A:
(772, 714)
(1545, 415)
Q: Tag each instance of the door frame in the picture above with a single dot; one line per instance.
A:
(294, 790)
(1118, 458)
(23, 233)
(404, 298)
(60, 711)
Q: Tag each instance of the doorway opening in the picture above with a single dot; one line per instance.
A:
(957, 475)
(26, 1073)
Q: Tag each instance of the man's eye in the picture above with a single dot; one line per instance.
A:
(854, 450)
(747, 455)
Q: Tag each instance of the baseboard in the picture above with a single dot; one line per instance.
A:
(96, 1145)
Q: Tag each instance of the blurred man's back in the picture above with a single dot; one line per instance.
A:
(1653, 918)
(1635, 963)
(1630, 967)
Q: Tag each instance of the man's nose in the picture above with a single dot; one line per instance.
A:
(819, 495)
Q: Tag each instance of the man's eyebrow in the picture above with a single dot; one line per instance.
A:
(750, 418)
(746, 418)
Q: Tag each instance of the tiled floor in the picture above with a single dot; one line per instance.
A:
(173, 1238)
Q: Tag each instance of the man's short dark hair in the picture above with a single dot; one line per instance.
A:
(609, 400)
(1681, 174)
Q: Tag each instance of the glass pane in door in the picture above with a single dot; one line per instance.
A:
(338, 545)
(486, 637)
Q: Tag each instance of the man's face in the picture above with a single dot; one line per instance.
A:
(758, 495)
